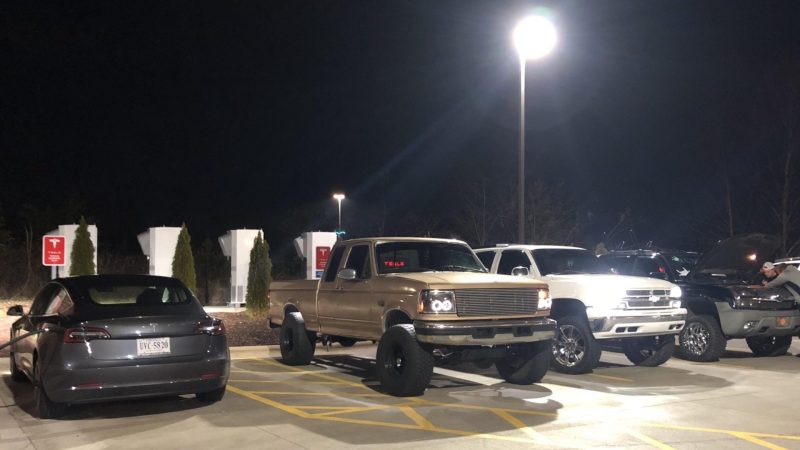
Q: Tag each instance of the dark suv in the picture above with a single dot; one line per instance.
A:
(719, 293)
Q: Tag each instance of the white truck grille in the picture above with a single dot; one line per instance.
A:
(647, 298)
(496, 302)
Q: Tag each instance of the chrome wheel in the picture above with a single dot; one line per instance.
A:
(696, 338)
(569, 346)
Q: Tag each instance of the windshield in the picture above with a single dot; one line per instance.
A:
(566, 261)
(400, 257)
(738, 258)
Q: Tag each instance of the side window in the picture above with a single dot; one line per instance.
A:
(645, 266)
(512, 258)
(486, 258)
(61, 303)
(42, 300)
(333, 263)
(358, 260)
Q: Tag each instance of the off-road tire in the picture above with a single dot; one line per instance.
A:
(297, 344)
(649, 351)
(346, 342)
(525, 363)
(45, 408)
(574, 349)
(769, 346)
(404, 367)
(16, 374)
(211, 396)
(701, 339)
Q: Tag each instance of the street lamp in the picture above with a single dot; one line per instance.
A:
(339, 198)
(534, 38)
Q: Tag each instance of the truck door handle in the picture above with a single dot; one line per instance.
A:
(381, 302)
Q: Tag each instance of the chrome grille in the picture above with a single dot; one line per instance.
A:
(647, 298)
(494, 302)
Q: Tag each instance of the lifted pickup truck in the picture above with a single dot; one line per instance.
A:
(423, 300)
(722, 302)
(592, 304)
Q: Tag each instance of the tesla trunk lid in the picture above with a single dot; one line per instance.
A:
(148, 337)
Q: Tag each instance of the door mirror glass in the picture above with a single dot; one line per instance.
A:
(520, 271)
(15, 310)
(347, 274)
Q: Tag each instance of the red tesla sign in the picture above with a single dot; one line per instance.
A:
(54, 250)
(322, 257)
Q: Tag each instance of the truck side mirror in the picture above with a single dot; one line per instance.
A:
(520, 271)
(15, 310)
(347, 274)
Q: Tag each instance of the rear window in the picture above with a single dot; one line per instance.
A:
(139, 295)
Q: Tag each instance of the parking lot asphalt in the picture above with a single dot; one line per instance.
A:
(738, 402)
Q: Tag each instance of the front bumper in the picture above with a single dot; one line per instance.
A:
(742, 323)
(616, 324)
(485, 332)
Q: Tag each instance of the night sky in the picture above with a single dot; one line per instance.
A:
(236, 114)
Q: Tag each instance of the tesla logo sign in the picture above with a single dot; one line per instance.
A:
(322, 257)
(54, 250)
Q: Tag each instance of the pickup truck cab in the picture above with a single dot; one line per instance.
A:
(592, 304)
(423, 300)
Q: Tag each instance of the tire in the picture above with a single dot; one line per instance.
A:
(404, 367)
(525, 364)
(769, 346)
(701, 339)
(297, 344)
(211, 396)
(16, 374)
(45, 408)
(574, 349)
(346, 342)
(649, 351)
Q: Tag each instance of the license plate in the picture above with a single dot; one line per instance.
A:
(155, 346)
(783, 322)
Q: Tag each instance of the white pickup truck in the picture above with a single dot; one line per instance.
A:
(591, 303)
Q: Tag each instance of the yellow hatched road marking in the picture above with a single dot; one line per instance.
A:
(317, 394)
(417, 418)
(283, 381)
(309, 372)
(714, 430)
(520, 425)
(609, 377)
(757, 441)
(649, 440)
(353, 410)
(485, 408)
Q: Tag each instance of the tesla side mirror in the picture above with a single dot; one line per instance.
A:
(520, 271)
(15, 310)
(347, 274)
(660, 275)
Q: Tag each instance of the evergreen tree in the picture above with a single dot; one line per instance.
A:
(259, 276)
(82, 254)
(183, 261)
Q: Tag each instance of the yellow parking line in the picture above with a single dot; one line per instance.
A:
(309, 372)
(518, 424)
(417, 418)
(353, 410)
(318, 394)
(283, 381)
(266, 401)
(649, 440)
(609, 377)
(485, 408)
(738, 434)
(758, 441)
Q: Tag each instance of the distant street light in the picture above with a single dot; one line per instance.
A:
(339, 198)
(534, 38)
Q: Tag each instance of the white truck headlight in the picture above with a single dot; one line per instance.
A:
(437, 302)
(675, 292)
(545, 302)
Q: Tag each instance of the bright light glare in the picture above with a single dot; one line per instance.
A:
(339, 197)
(534, 37)
(752, 257)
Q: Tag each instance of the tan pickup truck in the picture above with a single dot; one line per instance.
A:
(423, 300)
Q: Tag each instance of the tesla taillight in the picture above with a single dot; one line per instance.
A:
(85, 334)
(213, 327)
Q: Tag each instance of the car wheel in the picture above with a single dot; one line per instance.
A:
(574, 349)
(346, 342)
(769, 346)
(297, 345)
(45, 408)
(525, 364)
(701, 339)
(16, 374)
(404, 367)
(649, 351)
(211, 396)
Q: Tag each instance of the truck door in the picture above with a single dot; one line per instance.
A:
(345, 307)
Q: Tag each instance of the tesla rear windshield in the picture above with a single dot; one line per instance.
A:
(137, 294)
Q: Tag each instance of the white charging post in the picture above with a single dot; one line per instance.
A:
(158, 244)
(315, 247)
(236, 245)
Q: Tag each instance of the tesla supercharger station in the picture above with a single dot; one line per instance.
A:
(158, 244)
(236, 245)
(315, 247)
(68, 231)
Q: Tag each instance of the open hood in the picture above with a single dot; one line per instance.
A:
(737, 259)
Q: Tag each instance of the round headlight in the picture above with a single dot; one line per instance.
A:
(675, 292)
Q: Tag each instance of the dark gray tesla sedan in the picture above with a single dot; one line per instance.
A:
(110, 337)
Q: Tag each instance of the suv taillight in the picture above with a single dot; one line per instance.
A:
(210, 326)
(84, 334)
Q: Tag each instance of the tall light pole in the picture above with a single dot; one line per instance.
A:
(534, 38)
(339, 198)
